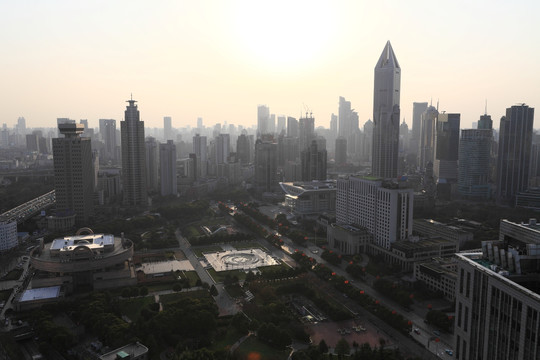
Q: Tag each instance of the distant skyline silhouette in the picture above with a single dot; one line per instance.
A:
(219, 60)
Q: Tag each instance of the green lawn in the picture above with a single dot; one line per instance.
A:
(4, 294)
(171, 298)
(132, 307)
(14, 274)
(235, 291)
(243, 245)
(191, 276)
(206, 249)
(220, 276)
(227, 340)
(252, 348)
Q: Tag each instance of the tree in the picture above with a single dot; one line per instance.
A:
(323, 348)
(143, 291)
(342, 348)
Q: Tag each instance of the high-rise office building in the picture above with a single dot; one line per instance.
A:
(199, 124)
(223, 148)
(107, 130)
(73, 173)
(151, 146)
(474, 163)
(418, 109)
(133, 157)
(292, 127)
(382, 208)
(281, 124)
(313, 161)
(200, 150)
(426, 151)
(386, 115)
(167, 166)
(263, 118)
(266, 166)
(341, 150)
(334, 125)
(515, 139)
(167, 128)
(445, 167)
(243, 149)
(347, 124)
(21, 125)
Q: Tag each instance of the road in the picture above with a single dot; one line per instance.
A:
(226, 304)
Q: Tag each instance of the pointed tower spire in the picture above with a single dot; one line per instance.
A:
(388, 58)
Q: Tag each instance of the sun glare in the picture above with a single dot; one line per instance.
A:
(284, 35)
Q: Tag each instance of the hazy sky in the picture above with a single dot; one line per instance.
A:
(219, 59)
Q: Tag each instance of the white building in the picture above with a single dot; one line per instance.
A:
(8, 235)
(385, 210)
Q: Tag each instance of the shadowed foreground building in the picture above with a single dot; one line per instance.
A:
(497, 297)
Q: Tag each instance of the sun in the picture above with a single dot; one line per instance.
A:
(285, 35)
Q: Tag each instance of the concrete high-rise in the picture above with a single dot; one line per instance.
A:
(445, 167)
(263, 119)
(243, 149)
(515, 139)
(347, 124)
(474, 163)
(313, 161)
(200, 150)
(307, 132)
(133, 157)
(151, 146)
(107, 130)
(167, 166)
(223, 148)
(418, 110)
(73, 173)
(341, 150)
(266, 155)
(292, 127)
(426, 150)
(386, 114)
(167, 128)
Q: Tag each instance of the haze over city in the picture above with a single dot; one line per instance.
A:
(219, 60)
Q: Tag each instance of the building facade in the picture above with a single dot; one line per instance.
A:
(167, 168)
(474, 163)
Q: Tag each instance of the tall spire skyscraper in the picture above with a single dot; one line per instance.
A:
(133, 157)
(386, 115)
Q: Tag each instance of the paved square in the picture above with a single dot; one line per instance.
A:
(239, 259)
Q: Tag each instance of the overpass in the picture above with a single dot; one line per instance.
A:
(30, 208)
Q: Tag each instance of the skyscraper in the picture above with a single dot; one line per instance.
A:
(292, 127)
(151, 146)
(386, 115)
(474, 163)
(167, 165)
(201, 152)
(73, 173)
(266, 166)
(418, 110)
(263, 118)
(445, 167)
(341, 150)
(107, 130)
(133, 157)
(426, 152)
(167, 128)
(313, 162)
(307, 132)
(243, 149)
(223, 148)
(515, 139)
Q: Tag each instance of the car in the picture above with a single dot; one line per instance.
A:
(449, 352)
(436, 333)
(417, 331)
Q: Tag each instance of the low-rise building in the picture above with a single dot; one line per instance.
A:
(134, 351)
(8, 234)
(438, 275)
(311, 197)
(432, 228)
(348, 239)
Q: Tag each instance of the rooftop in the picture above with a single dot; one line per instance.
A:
(133, 350)
(40, 293)
(92, 241)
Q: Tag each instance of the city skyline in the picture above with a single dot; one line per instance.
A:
(219, 61)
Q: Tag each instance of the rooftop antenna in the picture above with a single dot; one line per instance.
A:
(431, 102)
(437, 104)
(485, 111)
(131, 96)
